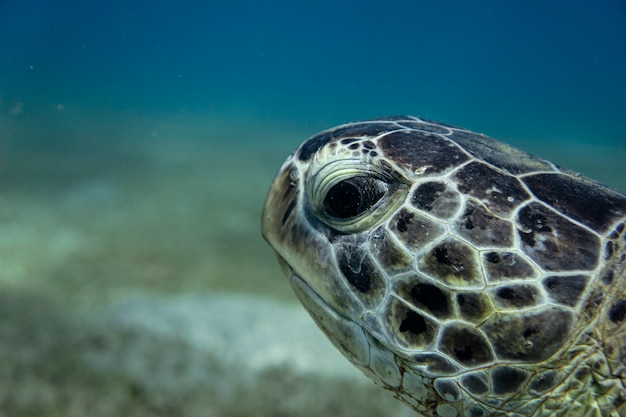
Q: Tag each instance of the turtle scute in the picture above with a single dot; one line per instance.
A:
(468, 277)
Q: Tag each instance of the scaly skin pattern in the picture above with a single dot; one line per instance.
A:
(467, 277)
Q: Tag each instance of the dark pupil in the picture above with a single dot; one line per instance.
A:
(350, 198)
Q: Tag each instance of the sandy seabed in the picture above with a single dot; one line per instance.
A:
(135, 281)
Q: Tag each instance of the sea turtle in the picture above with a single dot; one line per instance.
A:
(466, 276)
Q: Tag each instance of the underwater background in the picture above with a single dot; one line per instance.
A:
(138, 140)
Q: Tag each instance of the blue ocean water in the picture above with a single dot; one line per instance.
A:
(516, 68)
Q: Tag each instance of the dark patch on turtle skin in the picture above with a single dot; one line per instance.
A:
(432, 299)
(403, 220)
(421, 151)
(615, 234)
(500, 266)
(414, 230)
(447, 389)
(484, 229)
(361, 273)
(476, 383)
(393, 259)
(617, 312)
(498, 154)
(355, 270)
(466, 345)
(609, 249)
(516, 296)
(437, 198)
(452, 262)
(591, 204)
(501, 193)
(441, 254)
(555, 243)
(435, 364)
(492, 257)
(607, 278)
(537, 223)
(473, 306)
(529, 337)
(312, 145)
(368, 144)
(425, 195)
(543, 383)
(582, 374)
(414, 323)
(476, 411)
(508, 379)
(566, 290)
(415, 331)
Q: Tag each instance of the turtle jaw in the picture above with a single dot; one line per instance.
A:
(346, 335)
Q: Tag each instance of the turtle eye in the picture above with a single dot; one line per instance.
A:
(350, 196)
(353, 196)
